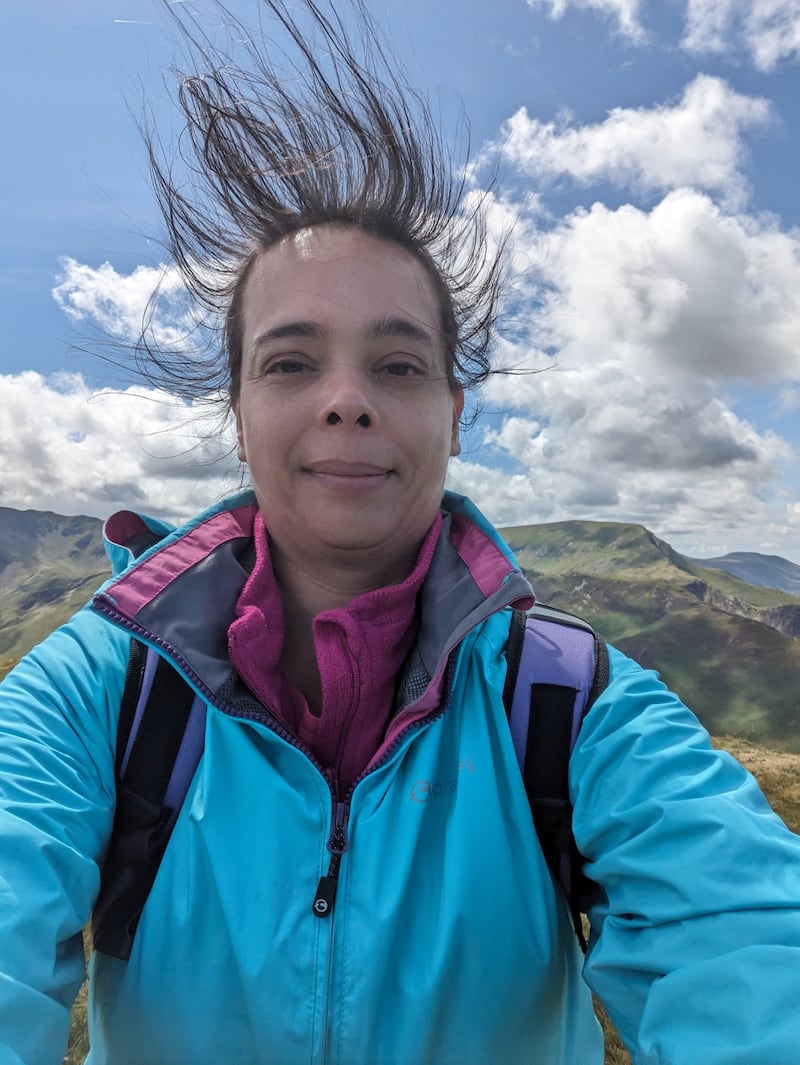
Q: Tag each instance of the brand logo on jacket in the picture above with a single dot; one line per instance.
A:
(428, 790)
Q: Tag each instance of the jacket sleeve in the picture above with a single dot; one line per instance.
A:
(695, 945)
(58, 715)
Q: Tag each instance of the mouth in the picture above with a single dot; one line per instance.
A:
(341, 476)
(340, 468)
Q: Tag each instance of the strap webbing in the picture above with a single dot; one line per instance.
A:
(556, 667)
(129, 702)
(159, 744)
(159, 735)
(546, 769)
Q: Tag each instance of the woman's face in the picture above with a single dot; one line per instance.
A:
(345, 416)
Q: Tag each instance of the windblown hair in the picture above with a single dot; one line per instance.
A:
(325, 129)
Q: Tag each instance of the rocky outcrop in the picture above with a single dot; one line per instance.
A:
(785, 619)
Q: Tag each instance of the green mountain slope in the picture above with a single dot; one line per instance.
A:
(730, 649)
(49, 567)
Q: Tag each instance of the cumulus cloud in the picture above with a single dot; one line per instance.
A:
(625, 13)
(691, 471)
(122, 305)
(68, 448)
(645, 323)
(686, 289)
(695, 142)
(769, 30)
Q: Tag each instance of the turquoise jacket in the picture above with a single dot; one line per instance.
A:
(448, 942)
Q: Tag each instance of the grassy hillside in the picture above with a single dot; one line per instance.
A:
(711, 636)
(49, 567)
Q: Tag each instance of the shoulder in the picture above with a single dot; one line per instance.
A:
(67, 690)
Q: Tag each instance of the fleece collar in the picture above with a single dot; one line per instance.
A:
(360, 650)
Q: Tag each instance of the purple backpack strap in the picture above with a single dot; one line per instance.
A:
(160, 740)
(556, 668)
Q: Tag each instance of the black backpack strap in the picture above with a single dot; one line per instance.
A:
(159, 743)
(556, 669)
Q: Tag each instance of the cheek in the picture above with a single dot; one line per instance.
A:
(434, 439)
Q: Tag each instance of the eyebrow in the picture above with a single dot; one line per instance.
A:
(393, 327)
(288, 329)
(382, 327)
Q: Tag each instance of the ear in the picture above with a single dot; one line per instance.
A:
(458, 408)
(240, 450)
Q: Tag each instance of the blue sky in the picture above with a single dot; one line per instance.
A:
(648, 155)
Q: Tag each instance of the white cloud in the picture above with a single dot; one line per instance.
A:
(692, 472)
(654, 316)
(684, 289)
(769, 30)
(67, 448)
(121, 305)
(624, 12)
(696, 142)
(708, 24)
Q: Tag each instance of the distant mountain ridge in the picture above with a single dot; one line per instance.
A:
(770, 571)
(731, 649)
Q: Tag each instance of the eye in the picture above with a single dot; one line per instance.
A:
(400, 367)
(287, 364)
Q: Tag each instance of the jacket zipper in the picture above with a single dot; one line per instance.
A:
(337, 845)
(325, 895)
(338, 842)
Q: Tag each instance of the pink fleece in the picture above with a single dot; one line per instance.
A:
(360, 651)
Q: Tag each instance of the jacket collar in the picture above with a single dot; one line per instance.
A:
(181, 593)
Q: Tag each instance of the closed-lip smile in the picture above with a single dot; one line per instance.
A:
(341, 468)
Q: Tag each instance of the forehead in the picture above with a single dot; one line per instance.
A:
(339, 275)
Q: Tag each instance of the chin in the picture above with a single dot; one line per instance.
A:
(352, 536)
(346, 541)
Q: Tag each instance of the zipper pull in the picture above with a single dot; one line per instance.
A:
(337, 845)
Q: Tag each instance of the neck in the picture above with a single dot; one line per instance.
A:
(307, 592)
(308, 588)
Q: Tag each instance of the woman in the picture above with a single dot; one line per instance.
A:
(346, 624)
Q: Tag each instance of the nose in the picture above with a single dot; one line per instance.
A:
(363, 419)
(347, 401)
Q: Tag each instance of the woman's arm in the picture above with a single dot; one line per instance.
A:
(58, 715)
(695, 947)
